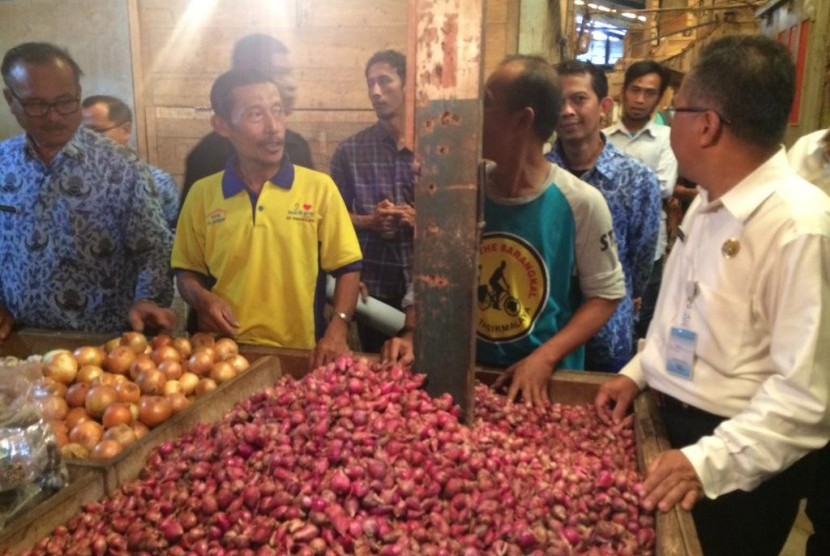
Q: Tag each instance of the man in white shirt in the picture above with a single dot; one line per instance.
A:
(639, 136)
(738, 350)
(810, 158)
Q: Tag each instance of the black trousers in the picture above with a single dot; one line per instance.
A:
(818, 505)
(740, 523)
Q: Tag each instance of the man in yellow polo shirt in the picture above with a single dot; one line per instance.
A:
(254, 241)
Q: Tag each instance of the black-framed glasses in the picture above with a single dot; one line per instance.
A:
(38, 109)
(673, 110)
(104, 129)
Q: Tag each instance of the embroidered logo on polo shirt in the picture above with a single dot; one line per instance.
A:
(216, 217)
(512, 287)
(301, 212)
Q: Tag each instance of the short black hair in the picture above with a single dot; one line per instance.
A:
(599, 82)
(255, 52)
(536, 87)
(750, 81)
(645, 67)
(391, 57)
(221, 94)
(117, 110)
(37, 53)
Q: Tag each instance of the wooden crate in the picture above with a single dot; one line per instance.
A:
(31, 341)
(206, 409)
(676, 535)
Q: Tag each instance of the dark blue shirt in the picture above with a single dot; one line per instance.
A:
(368, 167)
(81, 238)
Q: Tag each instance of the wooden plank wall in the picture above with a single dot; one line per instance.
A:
(184, 45)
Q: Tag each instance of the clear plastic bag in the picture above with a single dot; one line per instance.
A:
(31, 468)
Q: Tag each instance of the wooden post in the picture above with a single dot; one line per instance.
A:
(446, 88)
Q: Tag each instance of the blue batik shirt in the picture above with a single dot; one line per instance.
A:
(168, 194)
(81, 238)
(632, 192)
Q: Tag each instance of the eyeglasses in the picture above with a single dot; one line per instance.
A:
(104, 129)
(38, 109)
(673, 110)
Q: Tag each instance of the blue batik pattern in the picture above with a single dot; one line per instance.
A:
(81, 238)
(632, 192)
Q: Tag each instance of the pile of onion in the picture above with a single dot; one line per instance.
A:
(357, 459)
(131, 381)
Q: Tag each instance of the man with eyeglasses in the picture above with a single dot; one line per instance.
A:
(738, 353)
(111, 117)
(83, 242)
(637, 134)
(810, 158)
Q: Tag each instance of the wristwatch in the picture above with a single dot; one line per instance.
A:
(343, 316)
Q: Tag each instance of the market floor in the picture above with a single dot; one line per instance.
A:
(798, 536)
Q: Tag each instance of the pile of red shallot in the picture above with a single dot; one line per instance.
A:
(357, 459)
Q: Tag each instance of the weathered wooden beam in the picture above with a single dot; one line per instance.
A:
(447, 87)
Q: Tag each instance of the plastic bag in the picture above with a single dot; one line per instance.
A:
(31, 468)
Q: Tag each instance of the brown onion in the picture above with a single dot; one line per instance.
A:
(106, 449)
(98, 398)
(154, 410)
(119, 360)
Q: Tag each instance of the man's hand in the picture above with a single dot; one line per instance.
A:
(670, 480)
(332, 345)
(216, 315)
(637, 302)
(530, 377)
(614, 398)
(398, 349)
(384, 217)
(145, 313)
(406, 214)
(6, 323)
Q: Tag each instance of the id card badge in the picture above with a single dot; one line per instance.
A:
(680, 354)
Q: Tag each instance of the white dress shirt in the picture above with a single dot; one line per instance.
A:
(810, 161)
(762, 319)
(651, 146)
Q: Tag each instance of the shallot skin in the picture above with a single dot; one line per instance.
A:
(356, 458)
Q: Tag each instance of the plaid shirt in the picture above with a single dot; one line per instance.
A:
(368, 168)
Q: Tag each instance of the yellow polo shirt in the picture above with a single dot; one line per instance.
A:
(268, 253)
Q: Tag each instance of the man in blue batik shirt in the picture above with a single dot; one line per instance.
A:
(631, 190)
(83, 242)
(111, 117)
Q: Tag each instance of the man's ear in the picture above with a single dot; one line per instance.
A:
(220, 126)
(128, 127)
(711, 128)
(527, 117)
(605, 106)
(8, 97)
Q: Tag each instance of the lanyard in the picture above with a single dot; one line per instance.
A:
(691, 293)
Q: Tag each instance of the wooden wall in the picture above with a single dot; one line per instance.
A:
(804, 26)
(182, 51)
(95, 32)
(161, 56)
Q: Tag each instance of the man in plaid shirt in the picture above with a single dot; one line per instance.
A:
(375, 174)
